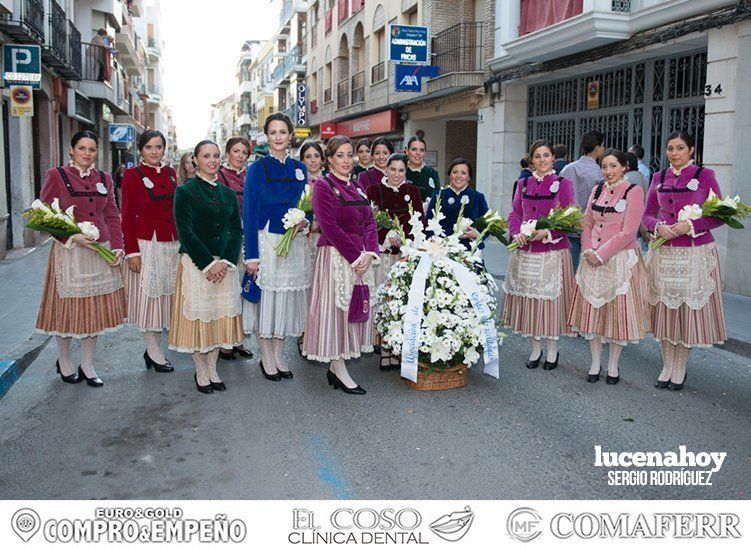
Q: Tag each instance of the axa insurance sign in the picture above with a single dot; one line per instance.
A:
(408, 43)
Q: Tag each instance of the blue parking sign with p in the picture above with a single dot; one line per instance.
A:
(22, 65)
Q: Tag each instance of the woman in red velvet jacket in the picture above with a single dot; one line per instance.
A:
(83, 295)
(151, 245)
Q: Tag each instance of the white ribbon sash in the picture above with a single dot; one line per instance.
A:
(413, 317)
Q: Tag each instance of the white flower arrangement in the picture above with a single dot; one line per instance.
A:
(451, 332)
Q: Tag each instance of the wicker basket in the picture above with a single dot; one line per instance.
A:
(439, 380)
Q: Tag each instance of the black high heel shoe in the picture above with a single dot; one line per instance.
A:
(285, 375)
(72, 378)
(551, 365)
(532, 364)
(90, 381)
(662, 384)
(337, 383)
(242, 351)
(271, 377)
(227, 355)
(593, 378)
(151, 363)
(218, 385)
(677, 386)
(205, 389)
(612, 380)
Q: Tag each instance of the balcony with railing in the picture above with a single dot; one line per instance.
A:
(459, 53)
(378, 73)
(342, 94)
(287, 64)
(54, 51)
(75, 57)
(358, 88)
(540, 30)
(153, 50)
(26, 22)
(129, 45)
(103, 77)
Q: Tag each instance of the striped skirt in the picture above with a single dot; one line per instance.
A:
(692, 327)
(622, 320)
(152, 313)
(329, 334)
(541, 318)
(77, 317)
(188, 336)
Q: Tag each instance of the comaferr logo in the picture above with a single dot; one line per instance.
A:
(657, 525)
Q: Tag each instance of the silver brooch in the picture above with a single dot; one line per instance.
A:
(101, 188)
(620, 206)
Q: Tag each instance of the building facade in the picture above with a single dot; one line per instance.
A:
(87, 82)
(636, 70)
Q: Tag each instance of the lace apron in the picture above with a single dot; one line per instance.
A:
(80, 272)
(601, 285)
(681, 274)
(208, 301)
(159, 261)
(535, 275)
(283, 274)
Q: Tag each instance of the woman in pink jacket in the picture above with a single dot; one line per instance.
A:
(610, 297)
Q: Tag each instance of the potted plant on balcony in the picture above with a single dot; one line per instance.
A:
(437, 309)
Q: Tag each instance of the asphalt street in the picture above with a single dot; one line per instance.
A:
(530, 434)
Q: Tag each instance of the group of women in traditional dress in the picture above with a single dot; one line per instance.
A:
(614, 297)
(189, 237)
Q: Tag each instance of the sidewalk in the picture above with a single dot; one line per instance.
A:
(21, 281)
(737, 307)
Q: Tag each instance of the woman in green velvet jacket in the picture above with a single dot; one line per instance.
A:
(206, 315)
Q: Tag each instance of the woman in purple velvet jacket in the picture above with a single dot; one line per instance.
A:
(539, 283)
(348, 246)
(685, 287)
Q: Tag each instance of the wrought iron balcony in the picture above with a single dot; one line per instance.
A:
(358, 88)
(26, 23)
(342, 94)
(378, 72)
(55, 52)
(459, 48)
(75, 58)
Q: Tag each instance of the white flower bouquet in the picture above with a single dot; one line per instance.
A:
(291, 220)
(456, 310)
(729, 210)
(49, 218)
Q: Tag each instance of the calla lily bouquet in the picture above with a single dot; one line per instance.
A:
(451, 331)
(730, 211)
(49, 218)
(566, 220)
(292, 218)
(493, 224)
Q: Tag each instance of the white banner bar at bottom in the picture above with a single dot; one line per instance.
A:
(440, 523)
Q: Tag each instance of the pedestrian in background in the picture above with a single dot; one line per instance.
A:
(393, 195)
(685, 286)
(560, 152)
(364, 157)
(186, 170)
(638, 151)
(539, 282)
(232, 174)
(459, 194)
(423, 177)
(206, 313)
(635, 177)
(151, 245)
(610, 299)
(83, 294)
(382, 150)
(584, 173)
(347, 248)
(275, 184)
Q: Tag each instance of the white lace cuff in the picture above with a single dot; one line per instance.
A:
(550, 240)
(137, 254)
(207, 268)
(249, 261)
(230, 266)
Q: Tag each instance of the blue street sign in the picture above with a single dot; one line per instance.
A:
(408, 43)
(22, 65)
(122, 133)
(409, 77)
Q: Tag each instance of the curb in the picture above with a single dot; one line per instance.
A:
(20, 359)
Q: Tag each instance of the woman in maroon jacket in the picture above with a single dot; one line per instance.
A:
(151, 245)
(83, 294)
(347, 247)
(232, 174)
